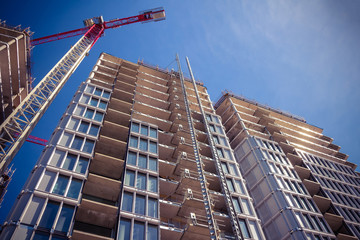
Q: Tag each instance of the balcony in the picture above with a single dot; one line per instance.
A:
(102, 187)
(166, 169)
(107, 166)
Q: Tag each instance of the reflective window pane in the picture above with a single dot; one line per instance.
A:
(153, 147)
(60, 185)
(77, 143)
(153, 132)
(74, 188)
(133, 142)
(79, 110)
(47, 181)
(230, 185)
(152, 208)
(49, 215)
(88, 146)
(129, 178)
(65, 217)
(98, 92)
(144, 130)
(127, 202)
(102, 105)
(84, 99)
(152, 185)
(140, 205)
(57, 158)
(69, 162)
(139, 231)
(224, 167)
(82, 165)
(73, 123)
(236, 205)
(244, 228)
(94, 130)
(131, 158)
(141, 181)
(106, 94)
(124, 229)
(142, 162)
(94, 102)
(84, 127)
(66, 139)
(135, 127)
(99, 116)
(233, 169)
(152, 232)
(143, 144)
(152, 164)
(89, 89)
(89, 113)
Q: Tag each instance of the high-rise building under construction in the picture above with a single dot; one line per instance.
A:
(141, 153)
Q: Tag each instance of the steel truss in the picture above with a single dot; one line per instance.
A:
(17, 127)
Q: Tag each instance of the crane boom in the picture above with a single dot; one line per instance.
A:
(17, 127)
(152, 15)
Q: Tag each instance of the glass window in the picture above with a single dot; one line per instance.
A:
(152, 232)
(47, 181)
(82, 165)
(324, 226)
(152, 185)
(69, 162)
(236, 205)
(49, 215)
(94, 130)
(102, 105)
(57, 158)
(144, 130)
(142, 162)
(77, 143)
(139, 231)
(246, 206)
(233, 169)
(73, 123)
(60, 185)
(212, 128)
(89, 145)
(98, 92)
(106, 94)
(153, 132)
(219, 129)
(89, 89)
(227, 154)
(215, 119)
(140, 205)
(254, 229)
(94, 102)
(33, 210)
(244, 229)
(143, 144)
(79, 110)
(133, 142)
(153, 147)
(223, 141)
(66, 139)
(85, 99)
(208, 117)
(74, 188)
(224, 168)
(131, 158)
(220, 152)
(152, 164)
(89, 113)
(216, 139)
(84, 127)
(152, 208)
(127, 202)
(141, 181)
(65, 217)
(124, 229)
(130, 178)
(99, 116)
(134, 127)
(41, 236)
(239, 186)
(230, 185)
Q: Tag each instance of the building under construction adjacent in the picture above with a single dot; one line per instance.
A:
(141, 153)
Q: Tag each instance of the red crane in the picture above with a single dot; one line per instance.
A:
(15, 130)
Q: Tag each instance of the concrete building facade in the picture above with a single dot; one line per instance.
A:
(141, 153)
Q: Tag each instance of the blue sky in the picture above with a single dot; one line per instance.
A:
(302, 57)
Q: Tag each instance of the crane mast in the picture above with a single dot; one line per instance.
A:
(17, 127)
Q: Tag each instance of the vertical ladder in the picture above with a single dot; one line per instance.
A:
(204, 189)
(17, 127)
(226, 191)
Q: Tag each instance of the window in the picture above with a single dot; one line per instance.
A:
(33, 210)
(74, 188)
(216, 139)
(152, 208)
(133, 141)
(131, 158)
(60, 185)
(239, 187)
(140, 205)
(49, 215)
(152, 232)
(79, 143)
(220, 152)
(142, 162)
(144, 130)
(219, 129)
(139, 231)
(63, 223)
(233, 169)
(153, 147)
(134, 127)
(141, 181)
(127, 202)
(124, 229)
(246, 206)
(152, 164)
(227, 154)
(69, 161)
(47, 181)
(130, 178)
(152, 185)
(244, 229)
(224, 167)
(143, 144)
(236, 204)
(230, 185)
(153, 132)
